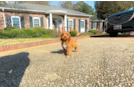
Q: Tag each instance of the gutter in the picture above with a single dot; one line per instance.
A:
(4, 17)
(22, 9)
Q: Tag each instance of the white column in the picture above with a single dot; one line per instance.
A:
(4, 17)
(65, 19)
(51, 20)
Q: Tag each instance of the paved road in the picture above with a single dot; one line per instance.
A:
(100, 62)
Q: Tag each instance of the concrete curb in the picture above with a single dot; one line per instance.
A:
(32, 44)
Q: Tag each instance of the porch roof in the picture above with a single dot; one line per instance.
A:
(43, 8)
(96, 19)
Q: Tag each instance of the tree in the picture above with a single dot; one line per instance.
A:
(106, 8)
(85, 8)
(3, 3)
(67, 5)
(80, 6)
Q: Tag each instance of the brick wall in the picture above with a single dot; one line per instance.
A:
(1, 21)
(27, 23)
(77, 21)
(100, 26)
(26, 17)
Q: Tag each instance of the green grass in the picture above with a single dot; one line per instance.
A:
(22, 40)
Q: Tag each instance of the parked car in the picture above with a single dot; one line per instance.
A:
(120, 22)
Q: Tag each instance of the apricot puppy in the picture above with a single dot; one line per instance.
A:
(68, 43)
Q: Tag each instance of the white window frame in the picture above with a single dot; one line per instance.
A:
(16, 17)
(84, 23)
(95, 24)
(36, 18)
(72, 22)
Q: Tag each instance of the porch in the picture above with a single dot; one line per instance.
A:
(62, 22)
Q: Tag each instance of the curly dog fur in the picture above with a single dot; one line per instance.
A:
(68, 43)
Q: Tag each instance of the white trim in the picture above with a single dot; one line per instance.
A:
(72, 23)
(4, 17)
(66, 13)
(65, 19)
(23, 9)
(51, 20)
(36, 18)
(56, 11)
(95, 24)
(84, 26)
(16, 17)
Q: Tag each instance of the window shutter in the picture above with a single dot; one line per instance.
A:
(91, 25)
(85, 25)
(74, 24)
(79, 26)
(8, 18)
(22, 22)
(67, 24)
(31, 21)
(96, 25)
(42, 22)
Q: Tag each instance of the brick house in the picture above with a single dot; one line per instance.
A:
(97, 24)
(50, 17)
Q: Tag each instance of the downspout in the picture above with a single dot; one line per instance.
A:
(4, 17)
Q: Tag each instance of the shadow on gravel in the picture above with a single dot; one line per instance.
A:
(12, 69)
(60, 51)
(107, 36)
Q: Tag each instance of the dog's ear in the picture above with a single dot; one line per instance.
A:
(69, 36)
(60, 37)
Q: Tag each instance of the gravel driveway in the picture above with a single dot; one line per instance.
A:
(100, 62)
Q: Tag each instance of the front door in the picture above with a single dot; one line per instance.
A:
(82, 26)
(56, 25)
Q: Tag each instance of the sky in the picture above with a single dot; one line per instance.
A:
(91, 3)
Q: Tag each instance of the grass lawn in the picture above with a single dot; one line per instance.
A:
(22, 40)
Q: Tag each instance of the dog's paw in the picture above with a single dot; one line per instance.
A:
(76, 51)
(68, 56)
(63, 54)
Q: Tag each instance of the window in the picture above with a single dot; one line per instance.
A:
(94, 25)
(16, 21)
(70, 23)
(36, 21)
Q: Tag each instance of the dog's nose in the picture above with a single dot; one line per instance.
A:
(64, 36)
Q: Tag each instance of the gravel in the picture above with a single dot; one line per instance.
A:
(100, 62)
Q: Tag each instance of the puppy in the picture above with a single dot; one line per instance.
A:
(68, 43)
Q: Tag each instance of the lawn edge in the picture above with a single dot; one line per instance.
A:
(4, 48)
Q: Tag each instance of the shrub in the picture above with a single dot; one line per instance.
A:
(126, 33)
(8, 28)
(4, 34)
(73, 33)
(29, 33)
(55, 33)
(94, 32)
